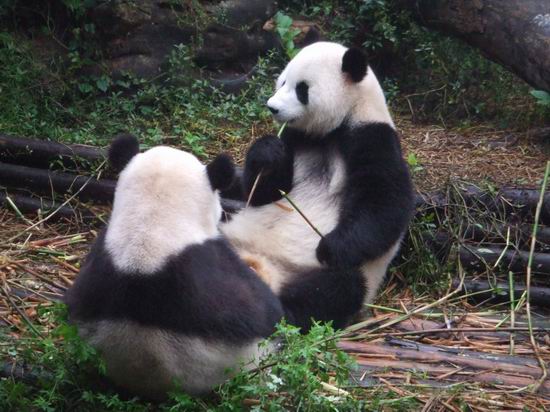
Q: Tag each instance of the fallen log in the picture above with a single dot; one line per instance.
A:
(45, 182)
(43, 153)
(500, 291)
(520, 235)
(444, 364)
(515, 34)
(508, 201)
(31, 205)
(438, 375)
(478, 258)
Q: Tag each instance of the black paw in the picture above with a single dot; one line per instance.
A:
(333, 252)
(265, 155)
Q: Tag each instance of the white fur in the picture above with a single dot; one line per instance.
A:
(281, 242)
(279, 239)
(154, 191)
(150, 361)
(332, 95)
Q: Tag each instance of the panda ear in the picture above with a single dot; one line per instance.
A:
(221, 172)
(123, 148)
(313, 35)
(354, 63)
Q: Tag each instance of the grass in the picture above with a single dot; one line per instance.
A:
(63, 106)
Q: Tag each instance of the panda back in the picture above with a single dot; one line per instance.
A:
(204, 291)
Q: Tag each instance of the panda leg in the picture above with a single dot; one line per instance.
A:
(323, 295)
(374, 271)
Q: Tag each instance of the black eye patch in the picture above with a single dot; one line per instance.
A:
(302, 91)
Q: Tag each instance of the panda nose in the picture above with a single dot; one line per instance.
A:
(273, 110)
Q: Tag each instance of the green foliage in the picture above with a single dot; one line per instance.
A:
(433, 77)
(68, 375)
(543, 98)
(292, 378)
(414, 163)
(283, 26)
(54, 102)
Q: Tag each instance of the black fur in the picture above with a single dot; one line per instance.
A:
(377, 195)
(123, 148)
(378, 198)
(355, 64)
(302, 92)
(268, 156)
(221, 172)
(313, 35)
(204, 291)
(323, 295)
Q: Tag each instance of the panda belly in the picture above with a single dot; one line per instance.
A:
(274, 239)
(148, 361)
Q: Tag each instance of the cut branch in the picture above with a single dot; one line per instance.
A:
(42, 153)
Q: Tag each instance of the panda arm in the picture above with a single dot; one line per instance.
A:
(377, 202)
(272, 160)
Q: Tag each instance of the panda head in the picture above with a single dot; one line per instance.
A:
(325, 85)
(165, 200)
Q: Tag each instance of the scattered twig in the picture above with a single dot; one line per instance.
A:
(528, 281)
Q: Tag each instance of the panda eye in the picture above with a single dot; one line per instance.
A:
(302, 92)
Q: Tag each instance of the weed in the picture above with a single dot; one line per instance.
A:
(283, 24)
(542, 97)
(69, 375)
(177, 108)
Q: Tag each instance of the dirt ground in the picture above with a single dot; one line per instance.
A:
(479, 154)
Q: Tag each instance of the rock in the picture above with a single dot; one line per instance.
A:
(239, 13)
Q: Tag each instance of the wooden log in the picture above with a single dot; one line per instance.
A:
(508, 201)
(477, 258)
(441, 364)
(45, 182)
(30, 205)
(500, 291)
(515, 34)
(432, 354)
(520, 235)
(437, 375)
(43, 153)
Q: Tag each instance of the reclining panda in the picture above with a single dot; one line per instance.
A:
(162, 294)
(339, 159)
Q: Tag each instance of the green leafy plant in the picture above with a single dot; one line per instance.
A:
(70, 375)
(414, 163)
(283, 27)
(543, 98)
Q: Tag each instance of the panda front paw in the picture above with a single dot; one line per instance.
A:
(266, 155)
(333, 252)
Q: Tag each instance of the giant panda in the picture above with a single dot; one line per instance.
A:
(162, 294)
(340, 162)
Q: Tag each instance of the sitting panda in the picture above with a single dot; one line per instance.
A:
(162, 294)
(339, 159)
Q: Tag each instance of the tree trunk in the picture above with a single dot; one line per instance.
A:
(515, 34)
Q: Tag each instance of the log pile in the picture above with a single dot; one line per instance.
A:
(39, 175)
(469, 350)
(490, 234)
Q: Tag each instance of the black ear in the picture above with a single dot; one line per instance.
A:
(313, 35)
(123, 147)
(221, 172)
(355, 64)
